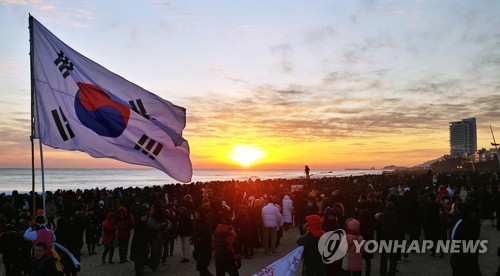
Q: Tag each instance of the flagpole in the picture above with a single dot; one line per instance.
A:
(42, 169)
(32, 137)
(34, 100)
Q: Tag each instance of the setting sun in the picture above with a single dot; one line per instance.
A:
(246, 154)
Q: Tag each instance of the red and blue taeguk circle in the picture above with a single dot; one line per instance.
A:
(99, 112)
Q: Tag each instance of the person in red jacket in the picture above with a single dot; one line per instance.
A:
(108, 236)
(125, 224)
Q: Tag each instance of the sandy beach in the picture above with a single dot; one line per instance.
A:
(418, 264)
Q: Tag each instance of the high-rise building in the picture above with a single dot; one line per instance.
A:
(463, 137)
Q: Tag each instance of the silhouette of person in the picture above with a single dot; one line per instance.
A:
(307, 172)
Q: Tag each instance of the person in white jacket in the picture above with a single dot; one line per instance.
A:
(287, 212)
(271, 220)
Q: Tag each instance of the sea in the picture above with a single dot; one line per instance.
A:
(20, 179)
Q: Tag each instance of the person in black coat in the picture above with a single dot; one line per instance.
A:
(139, 248)
(432, 223)
(367, 229)
(168, 245)
(11, 245)
(68, 235)
(201, 239)
(225, 245)
(313, 262)
(158, 226)
(411, 216)
(465, 229)
(299, 206)
(23, 263)
(91, 231)
(310, 209)
(241, 224)
(44, 264)
(390, 229)
(255, 227)
(184, 231)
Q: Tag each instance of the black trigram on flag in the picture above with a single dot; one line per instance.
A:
(146, 145)
(64, 64)
(138, 107)
(62, 124)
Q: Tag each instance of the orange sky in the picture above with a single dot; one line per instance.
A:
(214, 154)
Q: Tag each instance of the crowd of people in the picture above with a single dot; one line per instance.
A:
(227, 221)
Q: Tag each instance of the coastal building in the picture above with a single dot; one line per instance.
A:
(463, 138)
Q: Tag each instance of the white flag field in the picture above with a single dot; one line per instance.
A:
(80, 105)
(286, 266)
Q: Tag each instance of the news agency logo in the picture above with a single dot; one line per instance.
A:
(332, 246)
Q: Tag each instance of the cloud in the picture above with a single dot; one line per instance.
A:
(14, 3)
(284, 52)
(165, 4)
(50, 11)
(341, 105)
(219, 72)
(320, 34)
(285, 114)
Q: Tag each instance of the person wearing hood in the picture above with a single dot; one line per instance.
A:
(465, 229)
(287, 212)
(108, 237)
(313, 263)
(125, 224)
(225, 245)
(201, 239)
(352, 263)
(329, 223)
